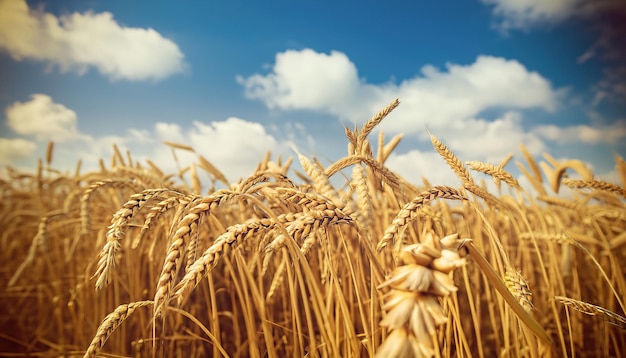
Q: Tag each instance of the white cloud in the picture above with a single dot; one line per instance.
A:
(15, 149)
(612, 133)
(479, 139)
(448, 102)
(76, 42)
(521, 14)
(235, 146)
(611, 176)
(44, 119)
(602, 21)
(415, 165)
(329, 83)
(305, 80)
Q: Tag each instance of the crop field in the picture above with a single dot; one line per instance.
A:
(129, 261)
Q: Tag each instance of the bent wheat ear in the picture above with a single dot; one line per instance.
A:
(115, 233)
(557, 174)
(595, 184)
(593, 310)
(221, 246)
(110, 323)
(498, 173)
(409, 210)
(175, 250)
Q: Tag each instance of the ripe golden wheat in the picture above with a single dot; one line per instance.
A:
(286, 262)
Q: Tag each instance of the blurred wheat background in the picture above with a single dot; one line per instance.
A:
(131, 261)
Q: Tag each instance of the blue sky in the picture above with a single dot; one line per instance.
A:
(236, 79)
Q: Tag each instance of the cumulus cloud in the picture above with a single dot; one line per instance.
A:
(44, 119)
(477, 108)
(479, 139)
(612, 133)
(329, 83)
(235, 146)
(78, 41)
(603, 20)
(12, 149)
(305, 80)
(416, 165)
(449, 101)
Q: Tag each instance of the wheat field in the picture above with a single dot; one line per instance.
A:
(129, 261)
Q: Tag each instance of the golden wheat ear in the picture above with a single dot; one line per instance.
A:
(110, 324)
(593, 310)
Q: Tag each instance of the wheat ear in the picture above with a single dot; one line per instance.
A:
(593, 310)
(409, 209)
(454, 162)
(233, 236)
(373, 122)
(175, 250)
(497, 172)
(595, 184)
(110, 323)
